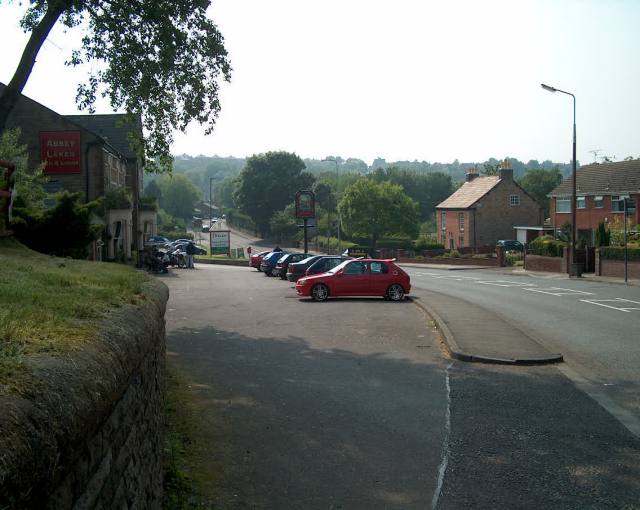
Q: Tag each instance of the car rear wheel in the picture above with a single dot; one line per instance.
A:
(320, 292)
(395, 292)
(267, 272)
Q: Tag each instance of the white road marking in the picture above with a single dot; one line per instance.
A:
(601, 302)
(559, 291)
(445, 443)
(507, 283)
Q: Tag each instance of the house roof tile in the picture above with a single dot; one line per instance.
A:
(111, 127)
(604, 178)
(470, 192)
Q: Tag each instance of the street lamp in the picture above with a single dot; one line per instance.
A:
(337, 197)
(573, 271)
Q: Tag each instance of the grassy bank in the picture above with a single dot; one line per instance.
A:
(50, 305)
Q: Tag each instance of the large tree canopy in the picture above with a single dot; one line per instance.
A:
(161, 59)
(268, 183)
(540, 183)
(178, 195)
(376, 209)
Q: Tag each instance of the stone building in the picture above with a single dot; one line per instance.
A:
(484, 210)
(90, 155)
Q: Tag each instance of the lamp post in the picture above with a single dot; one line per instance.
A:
(337, 196)
(573, 271)
(210, 203)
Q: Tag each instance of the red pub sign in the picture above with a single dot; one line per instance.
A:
(60, 150)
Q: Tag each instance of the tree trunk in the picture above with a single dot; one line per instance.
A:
(9, 96)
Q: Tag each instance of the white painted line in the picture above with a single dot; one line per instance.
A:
(442, 469)
(601, 302)
(559, 291)
(507, 283)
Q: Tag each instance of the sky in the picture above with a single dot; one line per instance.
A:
(402, 80)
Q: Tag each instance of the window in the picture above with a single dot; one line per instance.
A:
(514, 200)
(378, 268)
(443, 225)
(563, 205)
(617, 204)
(581, 202)
(460, 241)
(356, 268)
(598, 202)
(461, 221)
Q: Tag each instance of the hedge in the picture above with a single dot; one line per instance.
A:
(546, 246)
(617, 253)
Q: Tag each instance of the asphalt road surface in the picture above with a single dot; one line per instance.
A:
(352, 404)
(595, 325)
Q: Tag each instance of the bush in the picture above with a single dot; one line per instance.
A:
(119, 198)
(547, 246)
(451, 254)
(425, 242)
(617, 253)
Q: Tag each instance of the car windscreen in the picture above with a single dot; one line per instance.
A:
(338, 267)
(309, 260)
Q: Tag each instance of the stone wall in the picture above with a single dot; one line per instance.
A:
(87, 432)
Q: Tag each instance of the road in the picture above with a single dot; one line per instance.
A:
(353, 404)
(595, 325)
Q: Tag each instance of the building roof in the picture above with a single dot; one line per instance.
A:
(110, 127)
(603, 179)
(470, 192)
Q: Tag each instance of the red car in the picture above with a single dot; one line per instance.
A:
(361, 277)
(256, 259)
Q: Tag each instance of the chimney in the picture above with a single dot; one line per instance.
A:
(472, 173)
(506, 172)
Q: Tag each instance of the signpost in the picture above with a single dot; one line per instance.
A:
(220, 242)
(305, 209)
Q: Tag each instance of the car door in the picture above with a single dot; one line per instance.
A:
(353, 280)
(380, 278)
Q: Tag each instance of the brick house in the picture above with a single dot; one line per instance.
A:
(89, 155)
(484, 210)
(599, 190)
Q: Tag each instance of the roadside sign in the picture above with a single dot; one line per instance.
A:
(220, 242)
(305, 204)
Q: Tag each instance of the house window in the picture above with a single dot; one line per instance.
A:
(460, 241)
(461, 221)
(598, 202)
(443, 226)
(563, 205)
(514, 200)
(581, 202)
(617, 203)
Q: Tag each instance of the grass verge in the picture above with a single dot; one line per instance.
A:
(182, 466)
(50, 305)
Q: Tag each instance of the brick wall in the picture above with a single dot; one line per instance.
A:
(615, 268)
(88, 432)
(547, 264)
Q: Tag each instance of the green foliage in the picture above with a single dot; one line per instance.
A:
(546, 246)
(375, 210)
(283, 224)
(268, 183)
(617, 253)
(65, 230)
(161, 60)
(179, 195)
(171, 227)
(603, 236)
(118, 198)
(148, 203)
(238, 219)
(427, 242)
(490, 169)
(223, 192)
(325, 197)
(153, 190)
(428, 190)
(564, 234)
(539, 183)
(451, 254)
(28, 182)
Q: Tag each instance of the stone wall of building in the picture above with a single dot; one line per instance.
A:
(87, 432)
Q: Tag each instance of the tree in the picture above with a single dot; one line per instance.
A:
(65, 230)
(539, 183)
(223, 192)
(179, 195)
(268, 183)
(160, 59)
(153, 190)
(283, 224)
(371, 209)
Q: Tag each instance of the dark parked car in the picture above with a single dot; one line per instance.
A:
(269, 262)
(157, 241)
(510, 244)
(283, 263)
(183, 247)
(296, 269)
(256, 259)
(324, 264)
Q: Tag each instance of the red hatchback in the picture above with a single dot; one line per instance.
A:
(361, 277)
(256, 260)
